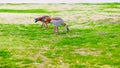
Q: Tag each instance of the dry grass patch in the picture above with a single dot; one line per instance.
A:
(86, 52)
(18, 18)
(23, 6)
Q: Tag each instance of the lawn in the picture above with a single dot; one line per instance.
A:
(93, 40)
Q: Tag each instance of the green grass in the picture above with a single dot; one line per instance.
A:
(29, 40)
(27, 11)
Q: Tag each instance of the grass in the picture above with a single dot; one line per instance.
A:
(26, 41)
(92, 42)
(27, 11)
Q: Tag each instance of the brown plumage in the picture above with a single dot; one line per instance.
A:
(42, 19)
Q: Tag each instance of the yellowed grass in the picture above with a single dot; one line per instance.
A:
(78, 14)
(86, 51)
(18, 18)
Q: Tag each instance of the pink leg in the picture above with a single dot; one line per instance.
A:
(42, 25)
(46, 25)
(56, 29)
